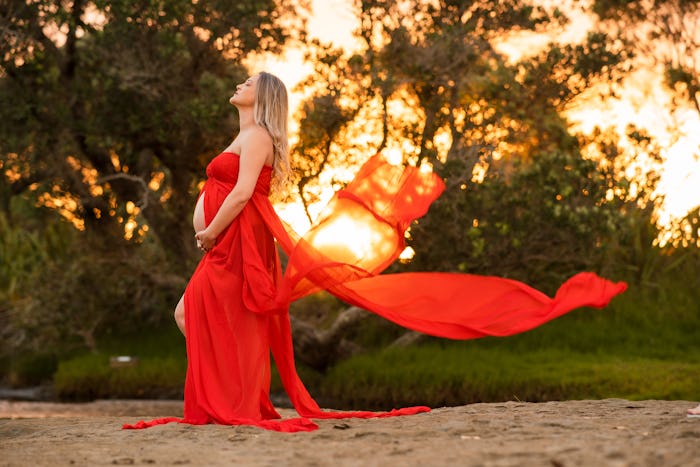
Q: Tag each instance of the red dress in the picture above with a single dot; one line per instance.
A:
(236, 304)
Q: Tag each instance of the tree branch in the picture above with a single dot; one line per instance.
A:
(143, 204)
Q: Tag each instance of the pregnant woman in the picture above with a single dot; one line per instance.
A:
(234, 311)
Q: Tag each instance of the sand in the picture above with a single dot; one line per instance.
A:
(611, 432)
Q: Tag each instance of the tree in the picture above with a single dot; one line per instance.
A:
(554, 216)
(111, 109)
(325, 115)
(114, 107)
(440, 93)
(662, 32)
(522, 200)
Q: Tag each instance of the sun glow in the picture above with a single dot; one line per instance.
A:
(644, 103)
(345, 237)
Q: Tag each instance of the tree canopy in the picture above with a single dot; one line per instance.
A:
(526, 197)
(111, 109)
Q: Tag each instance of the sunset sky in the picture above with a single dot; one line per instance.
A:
(643, 102)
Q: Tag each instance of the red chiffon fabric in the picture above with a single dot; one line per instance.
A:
(236, 304)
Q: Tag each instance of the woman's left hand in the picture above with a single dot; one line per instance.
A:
(205, 240)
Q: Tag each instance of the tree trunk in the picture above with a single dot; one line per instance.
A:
(320, 349)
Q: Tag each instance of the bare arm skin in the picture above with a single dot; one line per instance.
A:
(256, 150)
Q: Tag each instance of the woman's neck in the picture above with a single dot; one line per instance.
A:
(246, 118)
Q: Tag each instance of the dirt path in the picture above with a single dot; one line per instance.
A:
(610, 432)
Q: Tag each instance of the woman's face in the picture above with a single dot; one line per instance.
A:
(245, 93)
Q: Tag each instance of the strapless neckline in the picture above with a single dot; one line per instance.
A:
(265, 166)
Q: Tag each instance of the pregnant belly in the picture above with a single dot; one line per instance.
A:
(198, 220)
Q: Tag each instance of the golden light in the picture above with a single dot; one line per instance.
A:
(115, 161)
(343, 233)
(479, 171)
(131, 208)
(393, 156)
(156, 181)
(643, 101)
(129, 228)
(347, 237)
(426, 166)
(407, 254)
(64, 205)
(12, 175)
(443, 142)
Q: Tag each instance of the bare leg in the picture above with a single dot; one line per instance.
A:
(180, 314)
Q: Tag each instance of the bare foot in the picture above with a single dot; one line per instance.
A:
(693, 413)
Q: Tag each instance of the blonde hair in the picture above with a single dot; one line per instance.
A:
(270, 112)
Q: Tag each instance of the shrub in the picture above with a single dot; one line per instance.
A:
(91, 377)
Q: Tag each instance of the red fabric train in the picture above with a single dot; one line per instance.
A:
(236, 304)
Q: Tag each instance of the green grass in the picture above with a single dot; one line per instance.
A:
(159, 373)
(165, 341)
(448, 375)
(82, 375)
(91, 377)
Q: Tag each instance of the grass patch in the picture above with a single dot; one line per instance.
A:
(159, 373)
(447, 375)
(166, 341)
(91, 377)
(28, 369)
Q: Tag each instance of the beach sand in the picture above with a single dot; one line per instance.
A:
(611, 432)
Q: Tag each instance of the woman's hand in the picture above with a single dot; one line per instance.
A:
(205, 240)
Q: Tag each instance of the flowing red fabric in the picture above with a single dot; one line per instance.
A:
(236, 304)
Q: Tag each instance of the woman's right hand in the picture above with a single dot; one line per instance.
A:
(205, 240)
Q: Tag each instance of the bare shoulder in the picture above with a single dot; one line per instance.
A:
(257, 143)
(258, 138)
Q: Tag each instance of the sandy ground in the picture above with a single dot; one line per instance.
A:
(610, 432)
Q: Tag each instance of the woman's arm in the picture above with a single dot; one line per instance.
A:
(254, 154)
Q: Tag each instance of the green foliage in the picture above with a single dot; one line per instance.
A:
(126, 113)
(71, 299)
(28, 369)
(23, 251)
(91, 377)
(325, 115)
(642, 346)
(26, 247)
(138, 94)
(438, 377)
(159, 372)
(542, 212)
(543, 222)
(109, 124)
